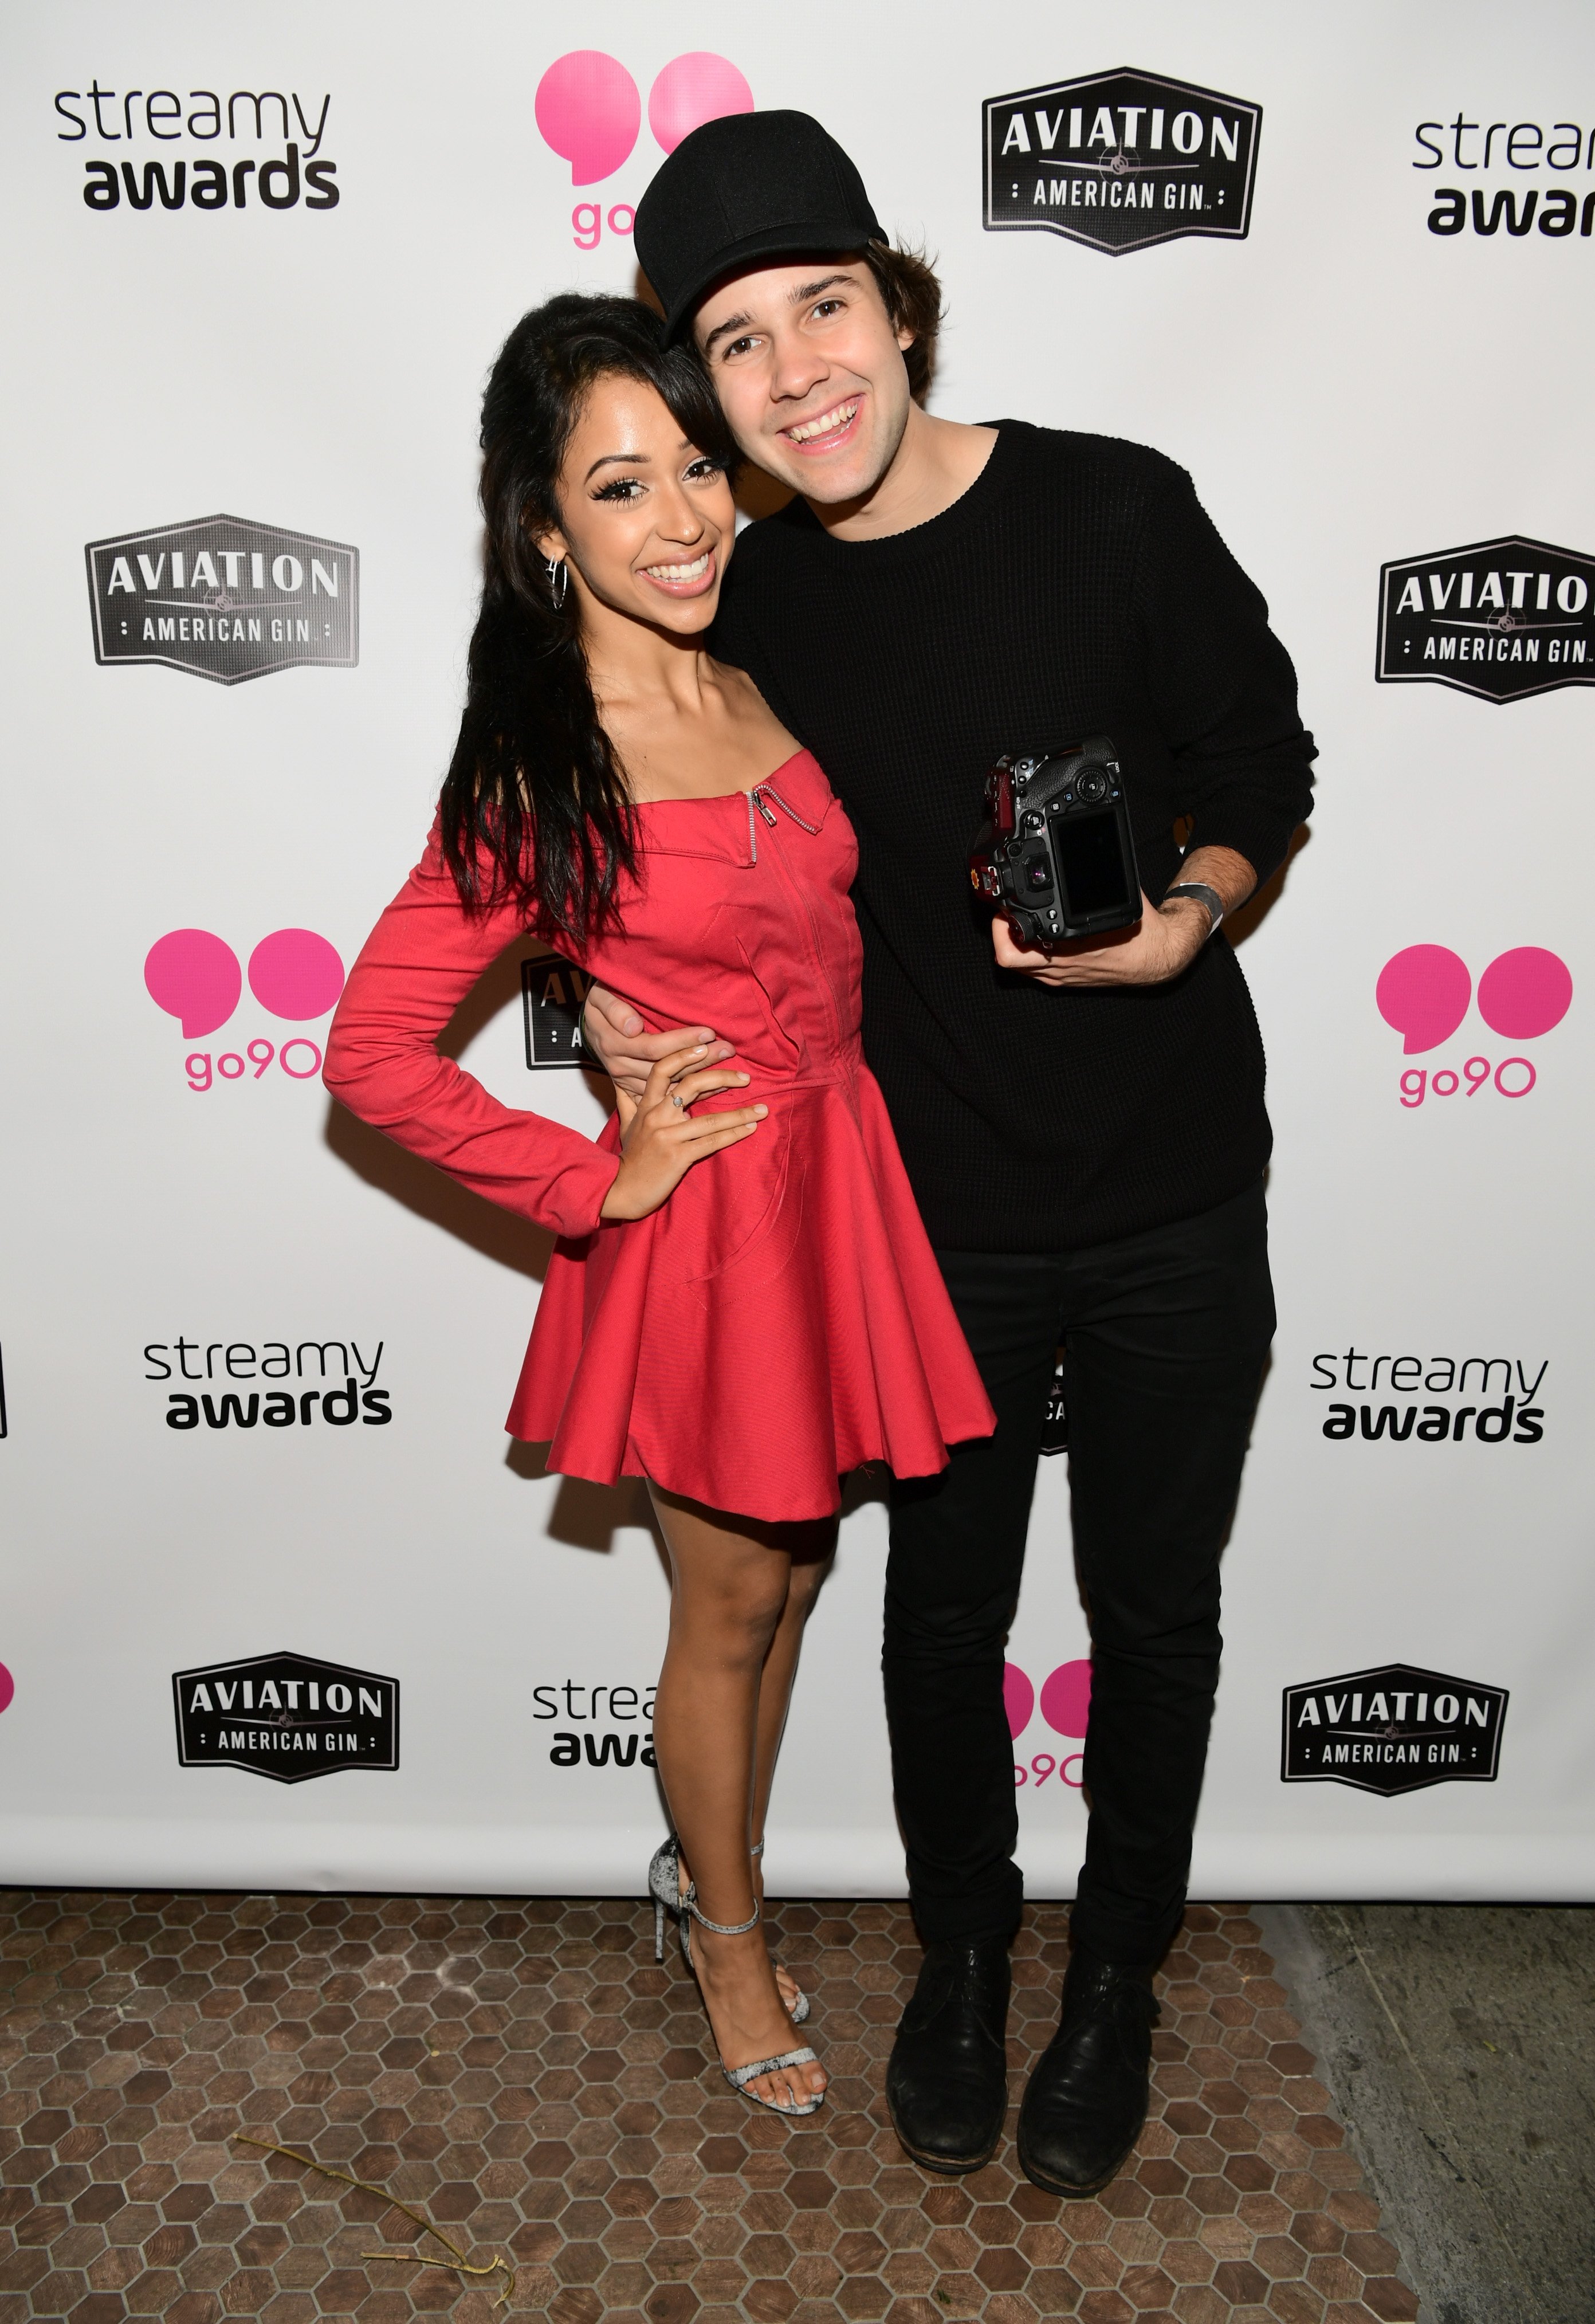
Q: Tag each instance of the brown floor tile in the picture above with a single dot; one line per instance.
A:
(525, 2074)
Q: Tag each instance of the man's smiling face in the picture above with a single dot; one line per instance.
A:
(809, 371)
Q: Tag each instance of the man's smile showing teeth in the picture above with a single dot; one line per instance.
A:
(827, 424)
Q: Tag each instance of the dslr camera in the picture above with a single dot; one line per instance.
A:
(1055, 854)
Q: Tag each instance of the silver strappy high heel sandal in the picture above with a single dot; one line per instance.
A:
(798, 2011)
(663, 1885)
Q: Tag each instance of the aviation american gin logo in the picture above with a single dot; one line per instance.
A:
(1120, 160)
(286, 1716)
(1392, 1729)
(1502, 619)
(224, 598)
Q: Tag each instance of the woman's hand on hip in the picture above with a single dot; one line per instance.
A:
(661, 1140)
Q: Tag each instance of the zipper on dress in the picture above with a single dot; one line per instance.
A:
(757, 796)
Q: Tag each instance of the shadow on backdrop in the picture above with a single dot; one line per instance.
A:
(584, 1515)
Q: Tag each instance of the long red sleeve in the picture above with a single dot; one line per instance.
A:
(417, 965)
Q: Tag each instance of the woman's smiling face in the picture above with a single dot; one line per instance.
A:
(647, 520)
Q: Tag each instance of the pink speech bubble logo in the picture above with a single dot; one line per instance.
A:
(194, 976)
(1018, 1699)
(589, 113)
(1525, 992)
(1066, 1698)
(294, 972)
(7, 1688)
(1423, 992)
(693, 90)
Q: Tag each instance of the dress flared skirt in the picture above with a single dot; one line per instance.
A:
(780, 1322)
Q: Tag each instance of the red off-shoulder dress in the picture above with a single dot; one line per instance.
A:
(780, 1319)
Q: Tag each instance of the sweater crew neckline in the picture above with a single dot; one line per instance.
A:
(970, 508)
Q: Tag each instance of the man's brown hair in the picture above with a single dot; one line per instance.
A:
(913, 296)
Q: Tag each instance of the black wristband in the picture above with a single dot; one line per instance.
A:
(1209, 898)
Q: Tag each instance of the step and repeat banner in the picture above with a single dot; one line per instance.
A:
(283, 1606)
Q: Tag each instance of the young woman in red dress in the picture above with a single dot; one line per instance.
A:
(742, 1305)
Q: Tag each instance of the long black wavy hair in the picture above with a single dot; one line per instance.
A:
(534, 809)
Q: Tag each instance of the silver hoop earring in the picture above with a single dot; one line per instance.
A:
(559, 581)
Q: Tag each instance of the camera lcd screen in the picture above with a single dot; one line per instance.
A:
(1092, 861)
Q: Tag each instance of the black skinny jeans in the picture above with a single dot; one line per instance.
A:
(1165, 1335)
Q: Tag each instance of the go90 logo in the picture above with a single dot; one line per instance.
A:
(1064, 1700)
(1423, 993)
(195, 977)
(589, 112)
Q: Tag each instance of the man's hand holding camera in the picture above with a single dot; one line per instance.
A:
(1161, 945)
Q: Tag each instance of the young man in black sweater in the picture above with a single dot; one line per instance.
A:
(1084, 1131)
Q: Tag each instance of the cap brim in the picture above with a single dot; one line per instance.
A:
(794, 241)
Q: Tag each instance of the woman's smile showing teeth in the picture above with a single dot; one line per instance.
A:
(826, 429)
(683, 580)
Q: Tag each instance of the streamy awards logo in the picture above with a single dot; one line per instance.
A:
(268, 1383)
(174, 149)
(224, 598)
(287, 1717)
(1434, 1394)
(1120, 160)
(1514, 198)
(295, 975)
(1392, 1729)
(604, 1725)
(589, 111)
(1423, 993)
(1502, 619)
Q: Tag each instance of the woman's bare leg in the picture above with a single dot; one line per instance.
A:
(810, 1555)
(810, 1549)
(813, 1548)
(730, 1583)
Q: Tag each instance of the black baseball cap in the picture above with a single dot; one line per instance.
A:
(743, 189)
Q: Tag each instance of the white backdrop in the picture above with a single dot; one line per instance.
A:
(1349, 388)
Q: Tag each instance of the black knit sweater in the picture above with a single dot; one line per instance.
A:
(1076, 588)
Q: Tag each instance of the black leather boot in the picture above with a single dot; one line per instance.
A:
(946, 2083)
(1087, 2098)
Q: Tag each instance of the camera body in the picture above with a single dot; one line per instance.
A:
(1055, 854)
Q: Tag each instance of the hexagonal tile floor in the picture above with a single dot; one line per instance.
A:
(524, 2074)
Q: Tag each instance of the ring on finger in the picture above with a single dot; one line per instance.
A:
(678, 1101)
